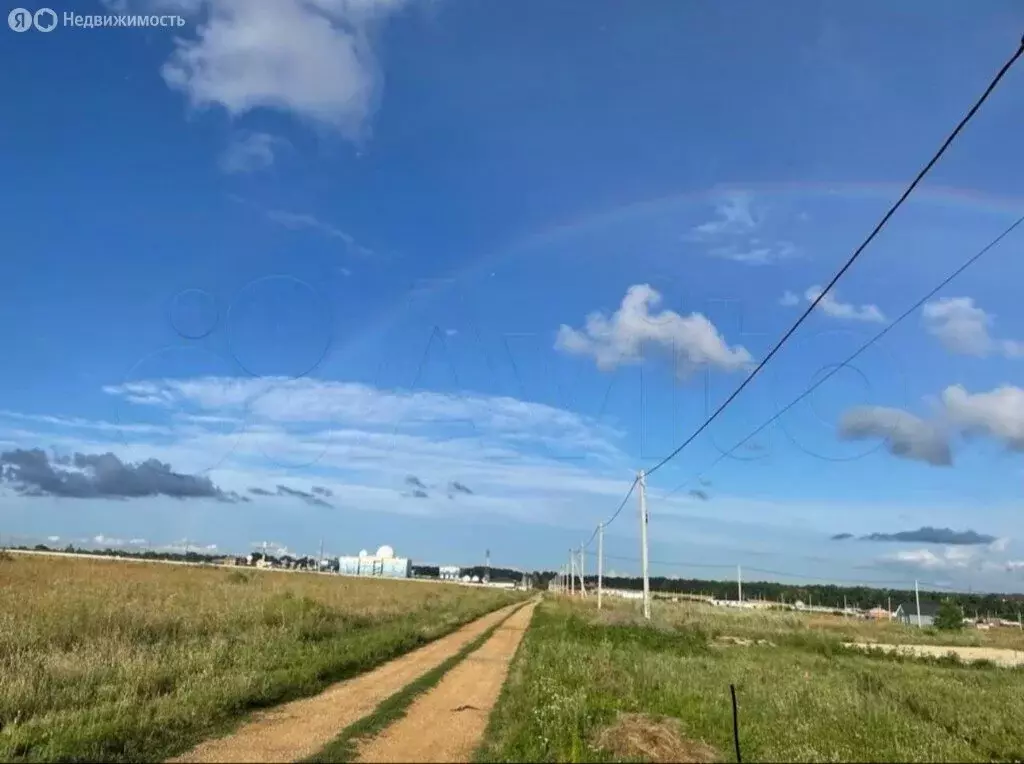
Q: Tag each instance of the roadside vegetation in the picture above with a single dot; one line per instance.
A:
(590, 686)
(120, 661)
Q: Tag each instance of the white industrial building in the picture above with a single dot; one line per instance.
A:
(449, 572)
(382, 564)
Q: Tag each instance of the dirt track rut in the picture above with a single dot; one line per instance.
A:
(297, 730)
(447, 723)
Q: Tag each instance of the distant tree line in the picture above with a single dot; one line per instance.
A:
(826, 595)
(147, 554)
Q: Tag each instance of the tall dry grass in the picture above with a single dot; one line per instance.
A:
(110, 660)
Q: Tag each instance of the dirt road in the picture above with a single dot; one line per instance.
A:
(299, 729)
(448, 722)
(999, 656)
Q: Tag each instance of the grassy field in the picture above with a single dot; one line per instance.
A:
(605, 687)
(121, 661)
(782, 624)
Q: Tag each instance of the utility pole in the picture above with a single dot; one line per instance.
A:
(600, 561)
(572, 573)
(320, 559)
(889, 601)
(739, 584)
(917, 598)
(583, 575)
(845, 612)
(643, 544)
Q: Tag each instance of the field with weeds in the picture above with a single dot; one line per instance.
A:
(788, 624)
(590, 686)
(104, 660)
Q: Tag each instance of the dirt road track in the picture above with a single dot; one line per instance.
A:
(448, 722)
(998, 655)
(299, 729)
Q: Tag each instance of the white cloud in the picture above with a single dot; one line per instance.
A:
(184, 545)
(311, 58)
(729, 235)
(905, 435)
(89, 424)
(523, 460)
(955, 558)
(107, 541)
(250, 152)
(1000, 544)
(755, 253)
(733, 215)
(303, 220)
(831, 306)
(964, 328)
(275, 548)
(53, 538)
(997, 414)
(789, 299)
(308, 400)
(693, 340)
(944, 558)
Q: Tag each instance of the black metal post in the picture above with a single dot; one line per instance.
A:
(735, 724)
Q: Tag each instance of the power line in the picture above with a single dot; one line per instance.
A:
(617, 511)
(622, 558)
(835, 368)
(881, 224)
(853, 257)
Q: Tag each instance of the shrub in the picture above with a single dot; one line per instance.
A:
(950, 616)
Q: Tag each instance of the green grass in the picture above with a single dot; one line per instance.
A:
(804, 699)
(103, 660)
(772, 624)
(344, 748)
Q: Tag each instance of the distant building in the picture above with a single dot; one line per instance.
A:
(906, 612)
(449, 572)
(879, 614)
(629, 594)
(383, 564)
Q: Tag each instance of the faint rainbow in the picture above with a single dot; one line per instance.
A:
(950, 197)
(942, 196)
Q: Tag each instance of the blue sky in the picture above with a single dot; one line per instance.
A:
(384, 247)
